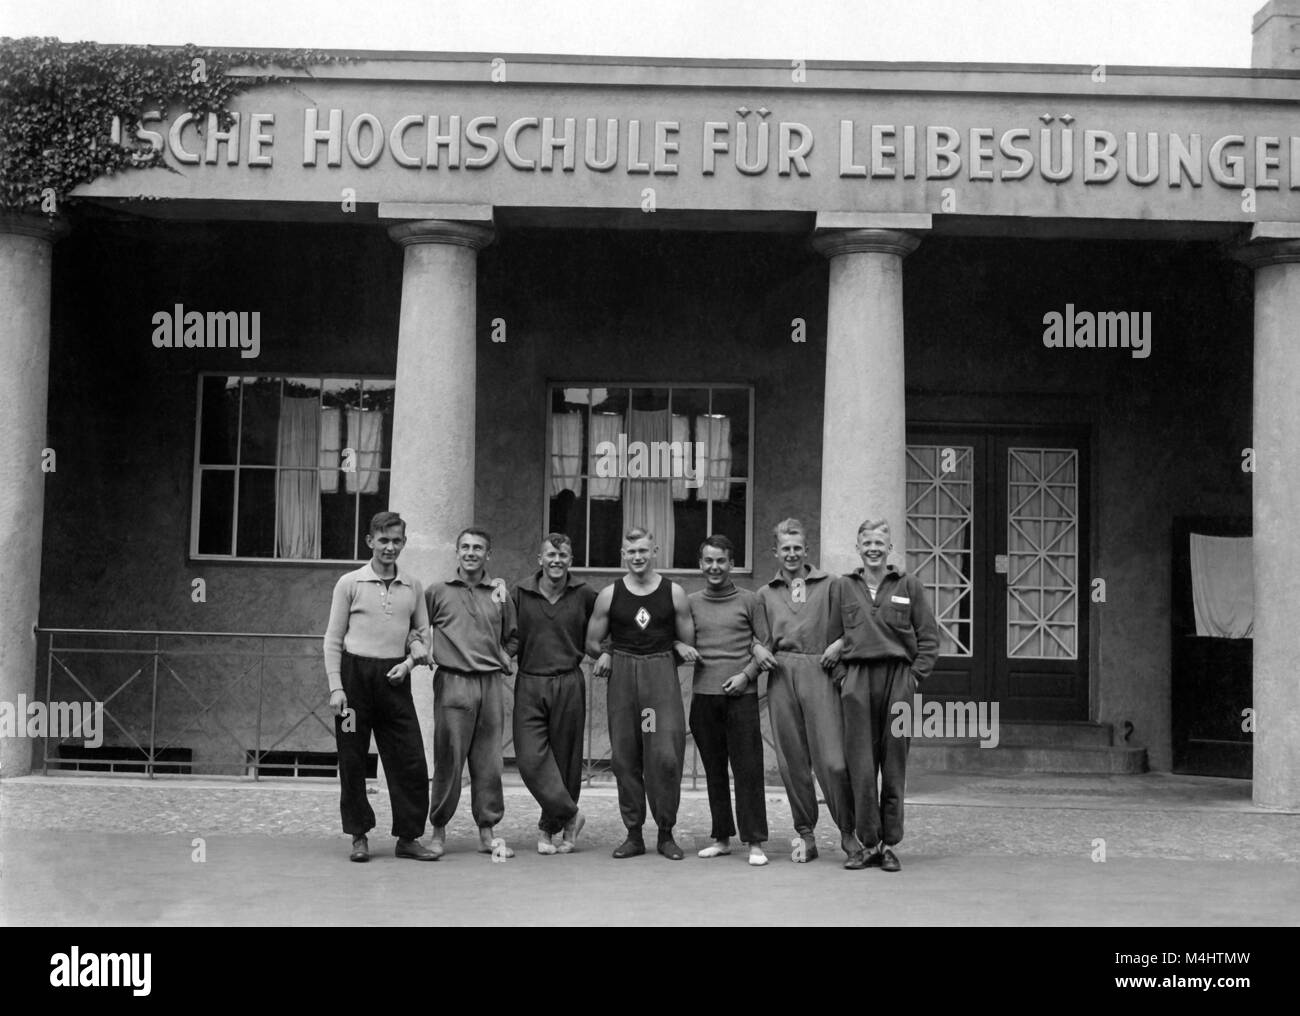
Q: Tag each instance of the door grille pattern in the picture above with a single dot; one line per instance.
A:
(1043, 553)
(940, 537)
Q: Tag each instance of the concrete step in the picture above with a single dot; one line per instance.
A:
(952, 756)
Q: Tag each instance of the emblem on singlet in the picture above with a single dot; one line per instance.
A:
(642, 618)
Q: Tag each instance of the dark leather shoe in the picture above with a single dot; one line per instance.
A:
(876, 858)
(629, 848)
(889, 861)
(856, 861)
(669, 848)
(360, 849)
(414, 850)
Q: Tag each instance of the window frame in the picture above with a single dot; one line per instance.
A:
(198, 468)
(749, 480)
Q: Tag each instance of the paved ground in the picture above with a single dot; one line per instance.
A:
(980, 850)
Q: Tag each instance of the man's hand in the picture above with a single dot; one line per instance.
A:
(832, 654)
(602, 666)
(398, 674)
(736, 684)
(338, 701)
(688, 654)
(763, 657)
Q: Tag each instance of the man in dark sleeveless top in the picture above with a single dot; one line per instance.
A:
(646, 618)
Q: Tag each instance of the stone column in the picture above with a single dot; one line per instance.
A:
(26, 256)
(864, 429)
(1274, 253)
(432, 481)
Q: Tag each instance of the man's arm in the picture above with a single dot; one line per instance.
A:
(761, 649)
(335, 629)
(834, 624)
(597, 629)
(685, 644)
(927, 633)
(509, 627)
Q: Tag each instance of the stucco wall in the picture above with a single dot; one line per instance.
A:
(618, 305)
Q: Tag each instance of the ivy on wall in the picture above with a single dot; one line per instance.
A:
(58, 101)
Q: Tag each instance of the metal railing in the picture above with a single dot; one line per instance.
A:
(226, 703)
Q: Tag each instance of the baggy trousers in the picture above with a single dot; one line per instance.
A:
(808, 728)
(647, 737)
(726, 728)
(550, 712)
(468, 718)
(871, 687)
(388, 711)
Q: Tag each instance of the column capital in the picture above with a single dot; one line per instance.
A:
(43, 227)
(451, 231)
(1270, 243)
(833, 242)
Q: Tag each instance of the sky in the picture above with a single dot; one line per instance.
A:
(1194, 33)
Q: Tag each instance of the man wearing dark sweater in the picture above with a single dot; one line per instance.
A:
(890, 646)
(375, 614)
(803, 611)
(473, 637)
(553, 609)
(730, 624)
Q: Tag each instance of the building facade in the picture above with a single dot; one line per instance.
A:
(1041, 318)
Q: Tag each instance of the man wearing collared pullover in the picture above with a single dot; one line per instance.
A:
(803, 610)
(890, 646)
(730, 627)
(376, 614)
(553, 608)
(473, 637)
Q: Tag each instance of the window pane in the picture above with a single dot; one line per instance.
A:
(729, 519)
(219, 421)
(569, 516)
(260, 424)
(606, 533)
(733, 405)
(216, 510)
(256, 532)
(646, 400)
(373, 487)
(338, 525)
(378, 396)
(689, 518)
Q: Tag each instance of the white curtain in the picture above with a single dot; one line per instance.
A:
(1223, 586)
(366, 439)
(682, 439)
(604, 427)
(715, 432)
(649, 503)
(566, 453)
(331, 432)
(298, 530)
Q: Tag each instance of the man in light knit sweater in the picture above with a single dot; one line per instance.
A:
(730, 628)
(890, 646)
(375, 615)
(803, 611)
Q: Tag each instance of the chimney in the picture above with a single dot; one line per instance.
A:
(1276, 31)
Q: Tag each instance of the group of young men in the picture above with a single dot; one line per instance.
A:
(838, 652)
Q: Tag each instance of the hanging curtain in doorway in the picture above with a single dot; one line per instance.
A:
(1223, 586)
(331, 445)
(604, 427)
(715, 432)
(566, 453)
(649, 502)
(366, 439)
(298, 490)
(682, 441)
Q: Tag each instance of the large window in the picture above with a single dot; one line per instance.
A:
(674, 459)
(289, 468)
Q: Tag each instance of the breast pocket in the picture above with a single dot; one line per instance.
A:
(898, 613)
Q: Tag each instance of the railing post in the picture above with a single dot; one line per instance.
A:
(49, 687)
(261, 690)
(153, 713)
